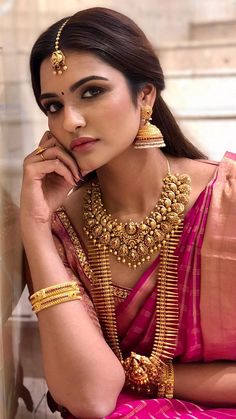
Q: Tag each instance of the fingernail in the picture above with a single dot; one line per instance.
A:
(76, 179)
(80, 175)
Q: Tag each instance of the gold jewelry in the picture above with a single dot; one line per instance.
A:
(169, 390)
(97, 268)
(133, 242)
(147, 376)
(154, 373)
(58, 59)
(143, 374)
(52, 301)
(55, 294)
(148, 135)
(53, 290)
(40, 150)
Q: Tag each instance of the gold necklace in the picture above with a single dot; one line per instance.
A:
(153, 374)
(133, 242)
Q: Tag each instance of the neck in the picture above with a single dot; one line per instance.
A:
(132, 183)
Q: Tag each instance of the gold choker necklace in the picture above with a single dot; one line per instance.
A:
(133, 242)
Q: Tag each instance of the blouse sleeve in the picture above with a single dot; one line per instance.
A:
(74, 276)
(69, 259)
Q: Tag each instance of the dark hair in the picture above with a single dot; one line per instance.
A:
(117, 40)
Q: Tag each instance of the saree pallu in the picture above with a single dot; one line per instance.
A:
(135, 309)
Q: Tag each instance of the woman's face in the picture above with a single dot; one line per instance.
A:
(90, 109)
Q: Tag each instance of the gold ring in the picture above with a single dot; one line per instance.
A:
(40, 150)
(42, 156)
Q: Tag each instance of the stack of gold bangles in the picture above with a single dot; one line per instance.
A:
(56, 294)
(166, 382)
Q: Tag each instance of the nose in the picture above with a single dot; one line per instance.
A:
(73, 119)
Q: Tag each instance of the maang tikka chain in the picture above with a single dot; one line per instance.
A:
(58, 59)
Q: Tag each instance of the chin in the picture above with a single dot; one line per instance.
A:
(86, 169)
(90, 166)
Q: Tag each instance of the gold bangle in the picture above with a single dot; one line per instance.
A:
(52, 290)
(162, 380)
(49, 298)
(51, 301)
(165, 383)
(55, 293)
(170, 382)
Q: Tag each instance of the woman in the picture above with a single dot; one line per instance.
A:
(130, 265)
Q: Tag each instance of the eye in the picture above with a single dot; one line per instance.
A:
(52, 107)
(92, 92)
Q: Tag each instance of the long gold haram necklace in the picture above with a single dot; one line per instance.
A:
(144, 374)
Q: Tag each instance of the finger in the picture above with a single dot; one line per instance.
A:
(62, 170)
(46, 136)
(40, 169)
(52, 153)
(49, 137)
(59, 153)
(48, 143)
(49, 140)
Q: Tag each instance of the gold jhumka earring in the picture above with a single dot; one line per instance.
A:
(58, 59)
(148, 136)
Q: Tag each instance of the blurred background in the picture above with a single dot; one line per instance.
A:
(196, 43)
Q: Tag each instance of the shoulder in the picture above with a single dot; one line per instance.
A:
(200, 171)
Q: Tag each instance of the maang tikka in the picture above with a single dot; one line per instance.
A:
(148, 136)
(58, 59)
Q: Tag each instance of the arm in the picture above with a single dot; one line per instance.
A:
(77, 360)
(211, 383)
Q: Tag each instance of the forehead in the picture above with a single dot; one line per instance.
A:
(80, 65)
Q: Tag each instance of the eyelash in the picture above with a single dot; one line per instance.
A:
(97, 91)
(47, 107)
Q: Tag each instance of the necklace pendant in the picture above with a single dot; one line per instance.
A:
(141, 373)
(131, 228)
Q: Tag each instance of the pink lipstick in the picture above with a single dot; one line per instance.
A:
(82, 143)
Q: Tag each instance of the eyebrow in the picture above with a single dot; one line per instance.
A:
(74, 86)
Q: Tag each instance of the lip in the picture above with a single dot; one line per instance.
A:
(81, 142)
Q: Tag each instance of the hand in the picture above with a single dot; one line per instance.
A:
(47, 179)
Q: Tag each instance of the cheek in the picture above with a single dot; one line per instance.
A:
(121, 112)
(128, 119)
(50, 125)
(54, 127)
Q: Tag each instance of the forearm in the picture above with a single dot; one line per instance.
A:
(211, 383)
(77, 360)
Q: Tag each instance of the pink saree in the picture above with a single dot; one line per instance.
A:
(135, 309)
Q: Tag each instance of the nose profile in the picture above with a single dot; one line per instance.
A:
(73, 119)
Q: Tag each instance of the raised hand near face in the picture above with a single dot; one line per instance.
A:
(49, 173)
